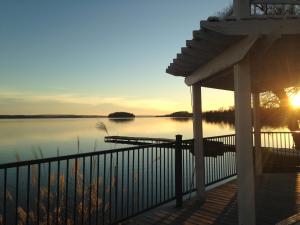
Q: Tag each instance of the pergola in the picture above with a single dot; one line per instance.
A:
(247, 54)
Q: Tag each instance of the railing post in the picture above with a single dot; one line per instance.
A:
(178, 170)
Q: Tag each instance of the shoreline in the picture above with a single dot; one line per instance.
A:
(5, 117)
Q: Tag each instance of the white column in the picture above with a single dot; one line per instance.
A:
(257, 136)
(244, 147)
(198, 142)
(241, 8)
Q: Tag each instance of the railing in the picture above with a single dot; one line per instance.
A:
(110, 186)
(219, 152)
(90, 188)
(274, 7)
(104, 187)
(281, 151)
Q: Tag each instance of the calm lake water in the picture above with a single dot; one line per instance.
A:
(34, 138)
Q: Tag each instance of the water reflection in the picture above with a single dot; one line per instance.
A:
(181, 119)
(121, 120)
(221, 124)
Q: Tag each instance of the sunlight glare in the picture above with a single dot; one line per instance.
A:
(295, 100)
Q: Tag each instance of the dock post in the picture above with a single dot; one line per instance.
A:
(178, 170)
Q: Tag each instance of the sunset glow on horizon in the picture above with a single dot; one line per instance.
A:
(62, 57)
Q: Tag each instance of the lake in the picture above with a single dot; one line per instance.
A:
(118, 184)
(24, 139)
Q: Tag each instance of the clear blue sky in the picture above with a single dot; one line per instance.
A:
(94, 57)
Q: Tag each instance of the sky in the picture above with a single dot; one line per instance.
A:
(97, 57)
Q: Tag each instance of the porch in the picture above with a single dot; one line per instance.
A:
(277, 199)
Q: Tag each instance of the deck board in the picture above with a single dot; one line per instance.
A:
(277, 198)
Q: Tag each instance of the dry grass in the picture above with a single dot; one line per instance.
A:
(57, 213)
(89, 203)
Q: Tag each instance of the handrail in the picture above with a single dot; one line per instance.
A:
(79, 155)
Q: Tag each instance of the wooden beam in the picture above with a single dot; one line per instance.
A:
(214, 38)
(241, 8)
(262, 47)
(244, 145)
(186, 65)
(254, 26)
(222, 81)
(224, 61)
(206, 49)
(188, 58)
(198, 53)
(198, 142)
(176, 72)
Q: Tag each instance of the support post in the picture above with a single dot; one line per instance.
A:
(198, 142)
(257, 135)
(178, 170)
(241, 8)
(244, 146)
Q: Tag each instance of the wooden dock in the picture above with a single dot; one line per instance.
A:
(135, 140)
(277, 198)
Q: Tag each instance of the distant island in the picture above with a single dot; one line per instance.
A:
(117, 115)
(184, 114)
(50, 116)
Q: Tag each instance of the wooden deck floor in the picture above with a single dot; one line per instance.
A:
(277, 197)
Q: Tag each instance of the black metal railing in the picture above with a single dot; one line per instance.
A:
(281, 151)
(105, 187)
(219, 152)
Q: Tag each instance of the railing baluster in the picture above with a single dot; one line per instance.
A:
(67, 192)
(138, 182)
(97, 187)
(122, 186)
(90, 189)
(133, 177)
(4, 196)
(104, 190)
(110, 186)
(160, 175)
(164, 164)
(17, 194)
(75, 191)
(28, 195)
(156, 179)
(128, 176)
(152, 179)
(83, 190)
(143, 178)
(48, 193)
(178, 170)
(168, 171)
(147, 186)
(57, 191)
(116, 185)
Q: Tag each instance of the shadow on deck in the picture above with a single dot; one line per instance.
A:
(277, 198)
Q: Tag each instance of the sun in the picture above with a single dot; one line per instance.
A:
(295, 100)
